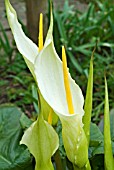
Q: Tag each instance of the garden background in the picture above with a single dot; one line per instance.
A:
(79, 26)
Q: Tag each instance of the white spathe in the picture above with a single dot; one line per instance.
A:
(49, 74)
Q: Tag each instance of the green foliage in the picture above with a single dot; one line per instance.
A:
(5, 44)
(96, 149)
(12, 155)
(96, 137)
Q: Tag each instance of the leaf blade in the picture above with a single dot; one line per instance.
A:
(88, 102)
(108, 155)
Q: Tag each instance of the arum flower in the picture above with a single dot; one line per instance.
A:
(65, 97)
(41, 138)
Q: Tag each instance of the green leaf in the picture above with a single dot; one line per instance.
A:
(25, 121)
(12, 155)
(101, 124)
(108, 155)
(96, 141)
(112, 124)
(100, 149)
(88, 101)
(42, 142)
(96, 137)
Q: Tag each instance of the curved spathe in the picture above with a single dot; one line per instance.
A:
(49, 75)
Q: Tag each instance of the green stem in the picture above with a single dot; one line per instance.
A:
(58, 161)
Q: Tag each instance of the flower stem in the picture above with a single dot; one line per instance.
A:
(58, 160)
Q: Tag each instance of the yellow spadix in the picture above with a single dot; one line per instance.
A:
(41, 32)
(66, 82)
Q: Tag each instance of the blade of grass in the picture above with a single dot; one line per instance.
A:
(108, 155)
(75, 62)
(89, 12)
(60, 26)
(5, 36)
